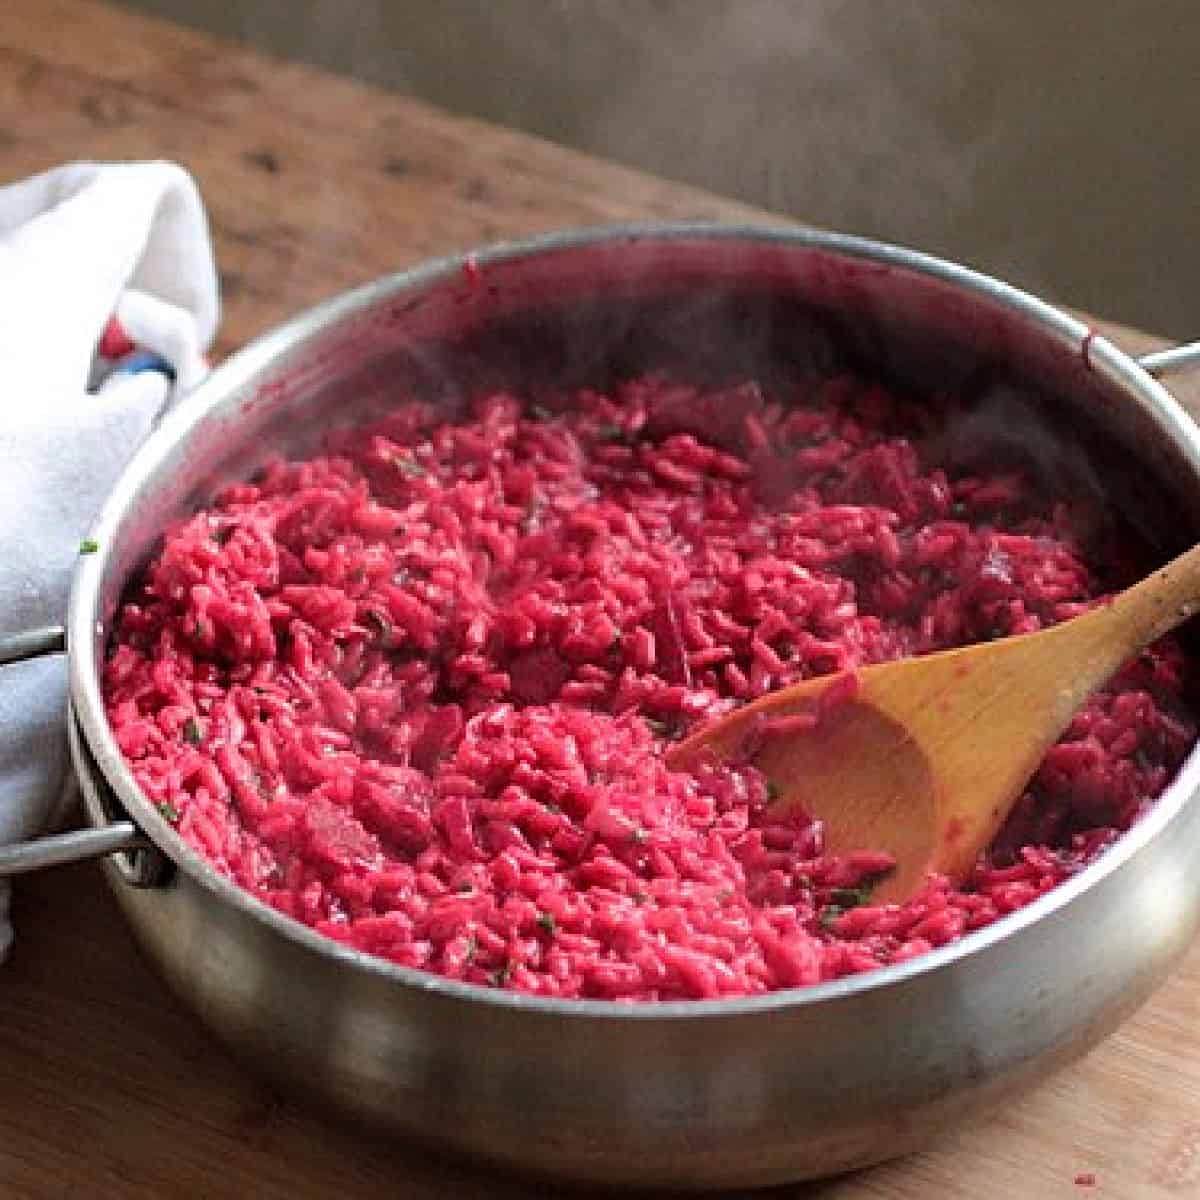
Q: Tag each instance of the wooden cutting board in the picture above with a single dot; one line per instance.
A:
(108, 1087)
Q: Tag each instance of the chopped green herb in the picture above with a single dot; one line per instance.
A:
(472, 946)
(547, 922)
(773, 792)
(168, 812)
(829, 914)
(502, 976)
(197, 629)
(662, 729)
(223, 533)
(531, 521)
(852, 897)
(358, 575)
(551, 807)
(610, 433)
(380, 623)
(640, 836)
(639, 897)
(464, 886)
(410, 468)
(192, 731)
(89, 546)
(540, 412)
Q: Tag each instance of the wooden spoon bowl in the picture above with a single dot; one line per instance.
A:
(924, 758)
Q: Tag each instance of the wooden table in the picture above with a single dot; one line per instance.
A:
(108, 1087)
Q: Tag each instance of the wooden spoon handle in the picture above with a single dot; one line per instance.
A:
(1113, 633)
(1160, 602)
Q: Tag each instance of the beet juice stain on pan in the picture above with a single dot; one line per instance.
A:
(696, 1094)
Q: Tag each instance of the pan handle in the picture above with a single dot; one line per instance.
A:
(113, 835)
(32, 643)
(1166, 362)
(60, 849)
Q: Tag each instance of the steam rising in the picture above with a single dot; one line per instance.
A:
(859, 117)
(1052, 144)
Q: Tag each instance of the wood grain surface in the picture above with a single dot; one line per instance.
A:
(108, 1087)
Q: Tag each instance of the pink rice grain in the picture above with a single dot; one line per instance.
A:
(415, 692)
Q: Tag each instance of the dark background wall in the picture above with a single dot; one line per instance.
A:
(1057, 144)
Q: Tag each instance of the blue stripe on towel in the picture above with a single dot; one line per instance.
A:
(144, 360)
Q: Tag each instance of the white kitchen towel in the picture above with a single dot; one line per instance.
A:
(79, 246)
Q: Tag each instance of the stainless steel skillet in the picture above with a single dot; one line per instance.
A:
(698, 1095)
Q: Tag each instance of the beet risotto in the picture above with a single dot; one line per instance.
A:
(415, 693)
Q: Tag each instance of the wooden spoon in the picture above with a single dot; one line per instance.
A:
(925, 757)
